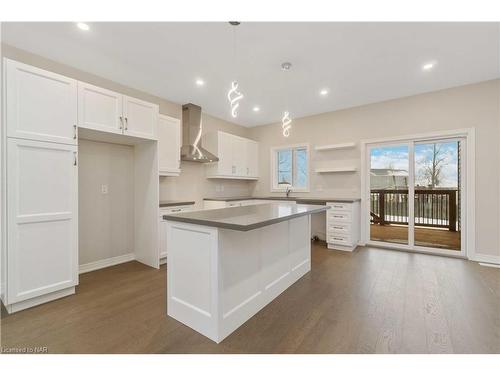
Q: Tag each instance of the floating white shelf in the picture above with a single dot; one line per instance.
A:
(337, 146)
(336, 170)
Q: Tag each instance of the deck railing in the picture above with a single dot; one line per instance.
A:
(433, 207)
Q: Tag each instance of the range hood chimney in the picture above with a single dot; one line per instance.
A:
(191, 149)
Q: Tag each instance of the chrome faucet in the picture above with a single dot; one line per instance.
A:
(288, 190)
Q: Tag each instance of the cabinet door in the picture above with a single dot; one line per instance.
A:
(40, 105)
(169, 145)
(252, 158)
(225, 164)
(163, 238)
(42, 218)
(99, 109)
(239, 151)
(141, 118)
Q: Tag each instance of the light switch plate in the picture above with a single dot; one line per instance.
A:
(104, 189)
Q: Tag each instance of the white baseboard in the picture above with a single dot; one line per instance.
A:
(103, 263)
(483, 258)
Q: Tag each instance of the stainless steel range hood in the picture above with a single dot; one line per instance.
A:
(191, 149)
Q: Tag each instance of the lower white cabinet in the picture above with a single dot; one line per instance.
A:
(342, 225)
(163, 226)
(42, 221)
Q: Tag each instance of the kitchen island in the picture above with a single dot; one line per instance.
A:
(224, 265)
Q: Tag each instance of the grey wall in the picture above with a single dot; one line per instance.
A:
(468, 106)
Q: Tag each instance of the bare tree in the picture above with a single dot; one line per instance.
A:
(433, 169)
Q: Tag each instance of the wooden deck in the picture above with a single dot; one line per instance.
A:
(430, 237)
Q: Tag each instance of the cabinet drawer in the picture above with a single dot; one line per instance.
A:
(343, 216)
(340, 239)
(339, 228)
(340, 206)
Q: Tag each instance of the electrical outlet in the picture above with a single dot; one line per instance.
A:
(104, 189)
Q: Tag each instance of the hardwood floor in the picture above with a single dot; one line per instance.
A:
(369, 301)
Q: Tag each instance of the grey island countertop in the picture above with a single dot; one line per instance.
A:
(172, 203)
(247, 217)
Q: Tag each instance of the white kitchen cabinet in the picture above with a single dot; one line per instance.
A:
(108, 111)
(99, 109)
(252, 151)
(238, 156)
(163, 226)
(40, 105)
(342, 225)
(141, 118)
(42, 221)
(213, 204)
(169, 146)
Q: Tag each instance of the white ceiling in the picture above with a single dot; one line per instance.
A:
(359, 62)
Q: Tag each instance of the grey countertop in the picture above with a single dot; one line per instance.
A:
(300, 200)
(247, 217)
(171, 203)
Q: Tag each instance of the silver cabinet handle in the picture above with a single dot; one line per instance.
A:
(74, 131)
(121, 122)
(126, 123)
(176, 210)
(74, 158)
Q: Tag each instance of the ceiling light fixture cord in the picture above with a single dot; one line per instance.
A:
(233, 95)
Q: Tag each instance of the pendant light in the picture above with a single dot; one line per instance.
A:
(286, 121)
(234, 95)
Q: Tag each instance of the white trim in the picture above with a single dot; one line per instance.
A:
(336, 170)
(337, 146)
(103, 263)
(489, 265)
(274, 186)
(470, 189)
(485, 258)
(35, 301)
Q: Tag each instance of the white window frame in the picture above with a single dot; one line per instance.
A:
(274, 168)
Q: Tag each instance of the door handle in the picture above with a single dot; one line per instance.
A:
(74, 131)
(74, 158)
(121, 122)
(126, 123)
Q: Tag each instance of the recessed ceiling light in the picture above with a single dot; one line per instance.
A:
(200, 82)
(83, 26)
(256, 108)
(324, 92)
(428, 66)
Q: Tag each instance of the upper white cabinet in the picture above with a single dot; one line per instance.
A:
(169, 146)
(40, 105)
(252, 158)
(42, 219)
(238, 156)
(141, 118)
(108, 111)
(99, 109)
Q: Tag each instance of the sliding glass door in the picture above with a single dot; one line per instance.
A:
(416, 194)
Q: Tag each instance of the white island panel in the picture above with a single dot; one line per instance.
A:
(240, 271)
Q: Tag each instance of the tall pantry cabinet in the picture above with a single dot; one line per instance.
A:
(43, 116)
(40, 186)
